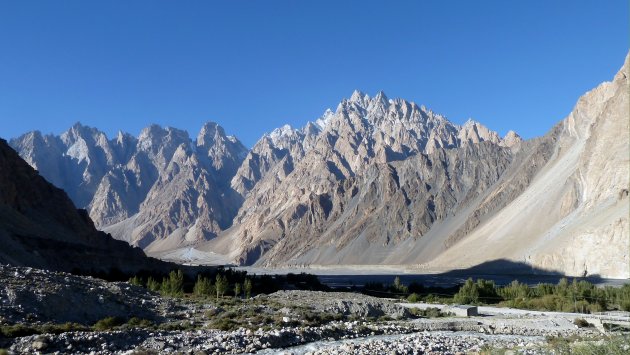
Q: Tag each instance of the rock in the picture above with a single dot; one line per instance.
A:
(40, 344)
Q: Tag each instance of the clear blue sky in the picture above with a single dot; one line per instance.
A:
(252, 66)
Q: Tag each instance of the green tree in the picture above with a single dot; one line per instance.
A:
(174, 284)
(136, 281)
(203, 287)
(153, 285)
(398, 287)
(221, 285)
(397, 283)
(247, 285)
(237, 290)
(468, 293)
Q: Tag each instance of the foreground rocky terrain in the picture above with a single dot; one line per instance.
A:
(37, 302)
(378, 181)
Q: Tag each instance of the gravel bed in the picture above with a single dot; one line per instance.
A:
(418, 343)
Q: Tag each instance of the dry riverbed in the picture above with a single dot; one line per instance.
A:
(49, 312)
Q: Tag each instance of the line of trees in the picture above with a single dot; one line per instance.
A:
(566, 296)
(576, 296)
(173, 285)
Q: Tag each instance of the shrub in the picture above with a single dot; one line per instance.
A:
(137, 281)
(468, 293)
(487, 291)
(581, 323)
(153, 285)
(16, 330)
(136, 322)
(224, 324)
(413, 298)
(108, 323)
(514, 290)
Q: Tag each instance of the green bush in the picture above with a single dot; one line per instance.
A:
(430, 312)
(137, 281)
(468, 293)
(413, 298)
(16, 330)
(108, 323)
(581, 323)
(136, 322)
(153, 285)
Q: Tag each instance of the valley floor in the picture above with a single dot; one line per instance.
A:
(49, 312)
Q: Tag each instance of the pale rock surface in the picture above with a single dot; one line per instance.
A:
(572, 216)
(377, 181)
(159, 186)
(366, 190)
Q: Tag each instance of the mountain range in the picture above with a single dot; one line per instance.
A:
(40, 227)
(378, 181)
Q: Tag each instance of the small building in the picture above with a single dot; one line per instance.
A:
(462, 310)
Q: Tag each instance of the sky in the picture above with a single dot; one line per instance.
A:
(252, 66)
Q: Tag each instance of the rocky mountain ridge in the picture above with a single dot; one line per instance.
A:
(122, 182)
(40, 227)
(377, 181)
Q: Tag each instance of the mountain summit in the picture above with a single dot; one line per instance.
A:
(378, 181)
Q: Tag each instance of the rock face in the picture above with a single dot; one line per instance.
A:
(363, 185)
(571, 214)
(158, 191)
(387, 182)
(377, 181)
(40, 227)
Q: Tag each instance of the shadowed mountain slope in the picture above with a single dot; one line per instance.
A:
(40, 227)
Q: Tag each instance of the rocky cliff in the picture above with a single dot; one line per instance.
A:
(40, 227)
(159, 190)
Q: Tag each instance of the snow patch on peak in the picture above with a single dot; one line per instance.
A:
(281, 131)
(323, 121)
(470, 122)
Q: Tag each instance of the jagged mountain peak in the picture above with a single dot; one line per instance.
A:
(79, 130)
(381, 98)
(359, 96)
(323, 121)
(210, 133)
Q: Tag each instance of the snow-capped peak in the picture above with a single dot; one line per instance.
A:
(323, 121)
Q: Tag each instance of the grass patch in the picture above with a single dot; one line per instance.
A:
(17, 330)
(614, 345)
(136, 322)
(21, 330)
(108, 323)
